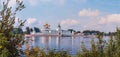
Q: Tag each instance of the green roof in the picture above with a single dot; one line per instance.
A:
(59, 26)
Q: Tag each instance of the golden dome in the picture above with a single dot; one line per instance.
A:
(46, 26)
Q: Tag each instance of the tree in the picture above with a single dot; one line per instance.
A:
(86, 32)
(36, 29)
(78, 32)
(17, 31)
(71, 30)
(9, 41)
(27, 30)
(31, 30)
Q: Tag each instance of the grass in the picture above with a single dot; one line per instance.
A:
(99, 49)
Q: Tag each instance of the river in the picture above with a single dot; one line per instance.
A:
(71, 44)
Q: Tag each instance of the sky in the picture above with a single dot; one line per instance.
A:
(102, 15)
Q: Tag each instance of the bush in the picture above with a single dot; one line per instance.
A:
(9, 41)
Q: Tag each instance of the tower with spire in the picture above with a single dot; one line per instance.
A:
(59, 29)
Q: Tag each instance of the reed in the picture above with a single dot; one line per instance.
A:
(36, 52)
(103, 48)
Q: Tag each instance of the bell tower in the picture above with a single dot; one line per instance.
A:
(59, 29)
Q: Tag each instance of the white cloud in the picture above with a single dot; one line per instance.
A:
(112, 18)
(109, 22)
(69, 22)
(33, 2)
(102, 20)
(89, 13)
(106, 23)
(12, 3)
(31, 21)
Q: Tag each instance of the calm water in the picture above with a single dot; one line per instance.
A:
(71, 44)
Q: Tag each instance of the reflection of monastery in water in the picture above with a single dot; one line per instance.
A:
(50, 32)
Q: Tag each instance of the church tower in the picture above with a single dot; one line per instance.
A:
(59, 29)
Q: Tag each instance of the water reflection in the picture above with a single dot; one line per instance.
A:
(57, 43)
(45, 42)
(71, 44)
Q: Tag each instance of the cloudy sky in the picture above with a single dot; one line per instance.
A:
(103, 15)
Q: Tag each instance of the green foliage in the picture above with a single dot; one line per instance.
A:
(36, 52)
(8, 40)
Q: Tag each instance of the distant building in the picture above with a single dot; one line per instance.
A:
(47, 31)
(59, 29)
(46, 28)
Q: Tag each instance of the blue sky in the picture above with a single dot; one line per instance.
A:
(103, 15)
